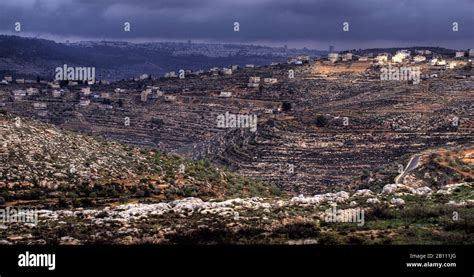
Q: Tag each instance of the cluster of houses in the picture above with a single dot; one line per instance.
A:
(299, 60)
(54, 88)
(406, 56)
(227, 71)
(254, 81)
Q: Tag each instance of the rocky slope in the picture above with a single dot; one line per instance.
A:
(42, 163)
(398, 215)
(117, 194)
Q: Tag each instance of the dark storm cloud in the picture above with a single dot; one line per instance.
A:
(418, 22)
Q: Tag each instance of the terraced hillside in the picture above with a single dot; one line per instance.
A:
(89, 191)
(46, 166)
(315, 132)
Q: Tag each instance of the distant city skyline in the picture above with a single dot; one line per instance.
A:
(315, 24)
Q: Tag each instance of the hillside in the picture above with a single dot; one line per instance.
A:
(47, 165)
(125, 195)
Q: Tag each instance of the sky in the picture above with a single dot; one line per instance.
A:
(314, 24)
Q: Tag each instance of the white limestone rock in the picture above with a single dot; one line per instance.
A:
(373, 201)
(397, 202)
(363, 193)
(423, 191)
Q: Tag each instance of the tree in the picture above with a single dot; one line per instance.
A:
(286, 106)
(321, 121)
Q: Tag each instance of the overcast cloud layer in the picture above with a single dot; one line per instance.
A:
(310, 23)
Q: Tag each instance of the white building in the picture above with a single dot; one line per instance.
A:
(225, 94)
(347, 56)
(156, 94)
(303, 58)
(253, 85)
(471, 52)
(86, 91)
(451, 65)
(170, 98)
(419, 59)
(270, 80)
(333, 57)
(254, 79)
(18, 94)
(459, 54)
(292, 60)
(438, 62)
(56, 93)
(227, 71)
(32, 91)
(400, 56)
(382, 58)
(144, 95)
(39, 106)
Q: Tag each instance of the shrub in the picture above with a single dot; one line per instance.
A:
(188, 191)
(329, 239)
(299, 230)
(123, 199)
(321, 121)
(380, 212)
(62, 202)
(354, 239)
(140, 193)
(286, 106)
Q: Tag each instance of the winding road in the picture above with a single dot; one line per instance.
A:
(412, 164)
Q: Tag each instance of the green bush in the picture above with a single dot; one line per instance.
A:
(321, 121)
(329, 239)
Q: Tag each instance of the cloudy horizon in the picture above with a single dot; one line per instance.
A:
(304, 23)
